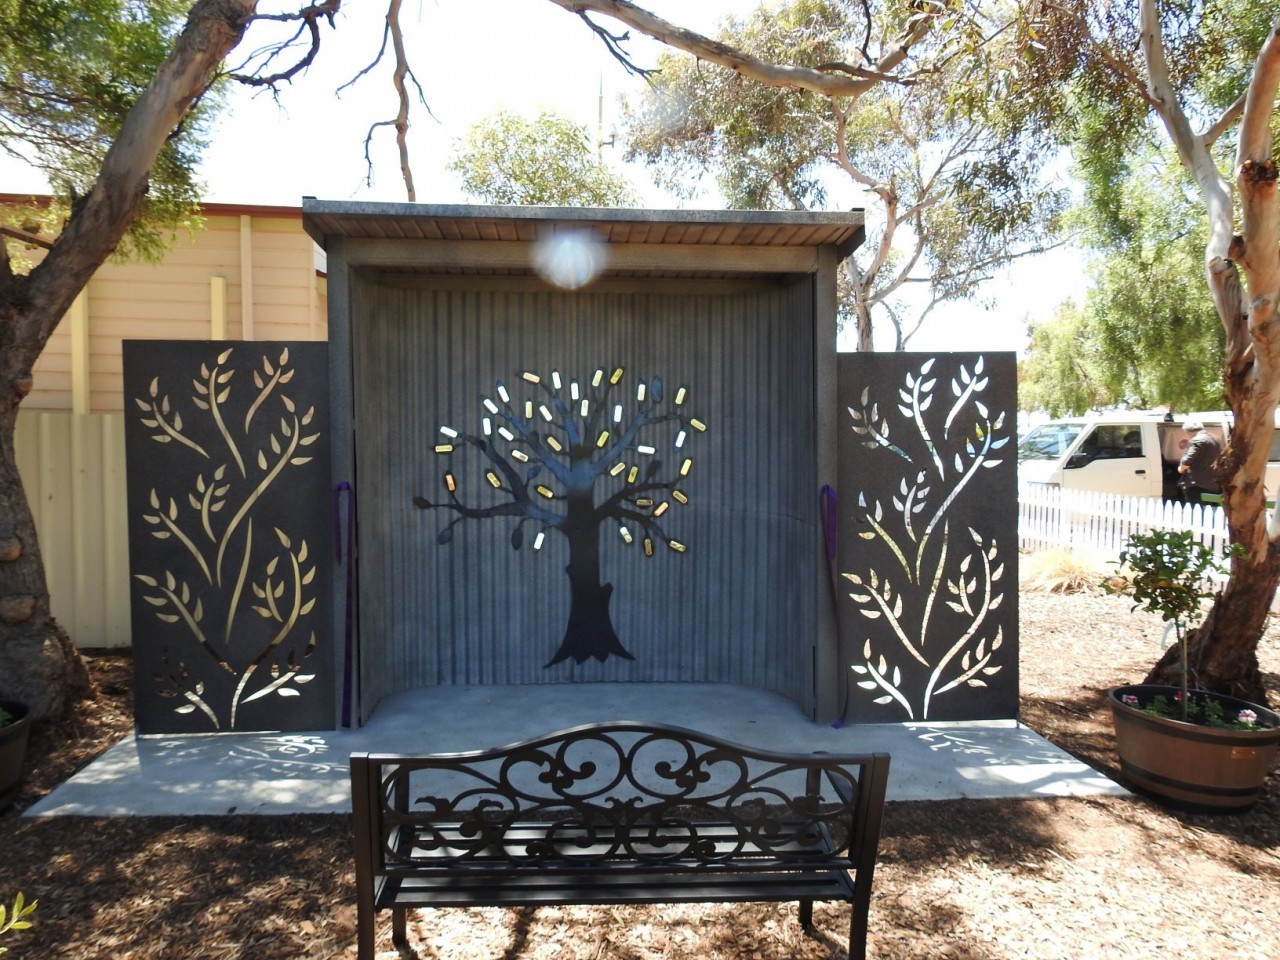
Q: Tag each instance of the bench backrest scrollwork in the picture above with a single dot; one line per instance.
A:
(608, 796)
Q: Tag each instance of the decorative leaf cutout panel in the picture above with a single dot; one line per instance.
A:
(227, 461)
(927, 584)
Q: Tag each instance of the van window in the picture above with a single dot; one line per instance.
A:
(1048, 441)
(1113, 441)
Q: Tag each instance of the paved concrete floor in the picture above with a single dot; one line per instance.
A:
(254, 773)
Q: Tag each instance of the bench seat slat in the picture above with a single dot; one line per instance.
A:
(645, 888)
(449, 849)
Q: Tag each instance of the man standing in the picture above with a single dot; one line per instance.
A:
(1196, 467)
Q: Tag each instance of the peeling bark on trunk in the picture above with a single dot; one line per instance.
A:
(39, 666)
(1223, 650)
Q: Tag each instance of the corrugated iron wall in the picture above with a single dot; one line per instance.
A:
(72, 467)
(736, 608)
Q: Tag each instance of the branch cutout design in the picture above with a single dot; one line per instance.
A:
(205, 591)
(920, 558)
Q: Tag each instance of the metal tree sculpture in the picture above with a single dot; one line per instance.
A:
(572, 461)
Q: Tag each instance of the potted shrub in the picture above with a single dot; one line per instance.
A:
(1191, 748)
(15, 725)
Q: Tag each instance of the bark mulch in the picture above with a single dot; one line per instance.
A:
(979, 880)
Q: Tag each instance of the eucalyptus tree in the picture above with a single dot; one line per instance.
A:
(1145, 334)
(548, 160)
(1061, 373)
(1204, 78)
(953, 183)
(107, 96)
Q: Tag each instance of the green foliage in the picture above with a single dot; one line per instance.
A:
(764, 146)
(70, 70)
(6, 717)
(15, 919)
(548, 160)
(1167, 571)
(1148, 333)
(1063, 372)
(959, 178)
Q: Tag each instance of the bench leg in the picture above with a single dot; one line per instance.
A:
(858, 934)
(399, 934)
(806, 916)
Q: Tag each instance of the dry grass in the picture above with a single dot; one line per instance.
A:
(1062, 571)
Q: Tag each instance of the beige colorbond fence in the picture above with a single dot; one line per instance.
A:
(72, 466)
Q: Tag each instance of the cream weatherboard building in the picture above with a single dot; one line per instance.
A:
(250, 273)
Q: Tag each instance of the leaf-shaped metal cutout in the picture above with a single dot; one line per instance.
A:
(867, 684)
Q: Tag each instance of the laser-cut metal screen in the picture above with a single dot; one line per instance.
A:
(927, 582)
(229, 530)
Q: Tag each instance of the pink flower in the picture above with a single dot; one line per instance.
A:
(1246, 716)
(1129, 698)
(1178, 696)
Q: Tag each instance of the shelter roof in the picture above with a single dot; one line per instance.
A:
(750, 232)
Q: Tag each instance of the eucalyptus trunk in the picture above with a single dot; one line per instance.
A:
(1243, 273)
(38, 663)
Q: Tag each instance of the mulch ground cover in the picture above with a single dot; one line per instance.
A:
(980, 880)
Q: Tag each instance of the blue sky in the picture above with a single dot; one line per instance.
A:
(474, 57)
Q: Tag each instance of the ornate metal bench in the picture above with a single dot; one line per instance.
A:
(614, 813)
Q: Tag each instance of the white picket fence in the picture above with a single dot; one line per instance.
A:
(1097, 524)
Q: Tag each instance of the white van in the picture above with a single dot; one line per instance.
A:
(1128, 452)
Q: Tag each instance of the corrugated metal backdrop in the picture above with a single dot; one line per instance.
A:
(736, 608)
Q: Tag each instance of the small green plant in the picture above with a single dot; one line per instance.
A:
(1165, 572)
(15, 919)
(6, 717)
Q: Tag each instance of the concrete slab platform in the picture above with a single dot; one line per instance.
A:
(283, 773)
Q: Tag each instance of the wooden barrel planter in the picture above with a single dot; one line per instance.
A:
(1190, 766)
(13, 749)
